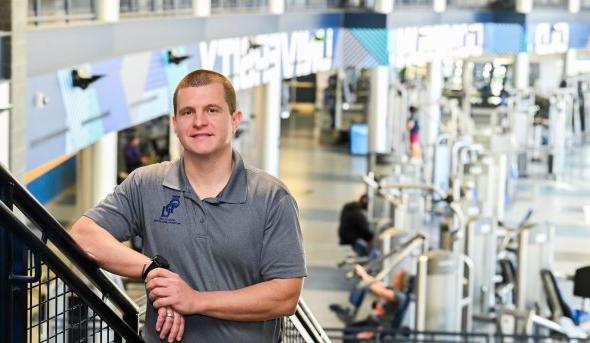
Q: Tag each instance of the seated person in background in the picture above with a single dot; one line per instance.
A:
(390, 306)
(354, 226)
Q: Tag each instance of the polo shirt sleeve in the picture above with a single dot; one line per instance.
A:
(282, 244)
(119, 212)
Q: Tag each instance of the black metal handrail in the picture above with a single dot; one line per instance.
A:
(55, 233)
(37, 245)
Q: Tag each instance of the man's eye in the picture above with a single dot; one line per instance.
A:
(186, 113)
(212, 109)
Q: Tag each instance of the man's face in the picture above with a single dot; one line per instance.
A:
(203, 123)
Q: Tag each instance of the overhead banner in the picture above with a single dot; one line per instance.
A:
(548, 38)
(251, 61)
(415, 45)
(137, 87)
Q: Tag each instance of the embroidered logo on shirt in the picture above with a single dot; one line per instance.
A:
(168, 209)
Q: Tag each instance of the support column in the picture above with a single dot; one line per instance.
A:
(96, 171)
(439, 6)
(271, 123)
(201, 8)
(570, 61)
(384, 6)
(4, 123)
(276, 6)
(524, 6)
(13, 19)
(521, 71)
(574, 6)
(338, 101)
(13, 65)
(377, 114)
(108, 10)
(467, 87)
(431, 119)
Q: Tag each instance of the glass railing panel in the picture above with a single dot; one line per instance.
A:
(144, 8)
(225, 6)
(470, 3)
(60, 11)
(413, 3)
(551, 3)
(313, 4)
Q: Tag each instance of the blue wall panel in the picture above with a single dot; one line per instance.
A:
(111, 95)
(579, 35)
(504, 38)
(52, 183)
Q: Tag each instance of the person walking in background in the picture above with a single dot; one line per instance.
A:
(132, 154)
(414, 128)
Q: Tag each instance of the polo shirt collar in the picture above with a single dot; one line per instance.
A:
(236, 189)
(234, 192)
(175, 177)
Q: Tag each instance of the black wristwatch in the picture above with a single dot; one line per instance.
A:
(155, 262)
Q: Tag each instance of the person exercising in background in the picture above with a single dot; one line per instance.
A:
(354, 227)
(414, 128)
(389, 308)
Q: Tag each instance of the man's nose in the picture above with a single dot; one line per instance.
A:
(201, 119)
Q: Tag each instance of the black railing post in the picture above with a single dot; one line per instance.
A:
(13, 299)
(5, 319)
(132, 320)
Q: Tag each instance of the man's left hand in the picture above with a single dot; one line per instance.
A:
(166, 288)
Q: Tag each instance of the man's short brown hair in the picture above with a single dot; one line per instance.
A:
(203, 77)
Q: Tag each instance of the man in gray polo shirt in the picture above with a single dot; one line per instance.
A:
(230, 233)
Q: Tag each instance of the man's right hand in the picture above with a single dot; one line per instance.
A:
(170, 324)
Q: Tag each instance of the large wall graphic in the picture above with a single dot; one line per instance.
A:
(137, 87)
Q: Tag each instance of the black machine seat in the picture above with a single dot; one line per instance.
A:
(582, 282)
(557, 303)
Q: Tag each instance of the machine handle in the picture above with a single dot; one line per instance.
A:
(469, 265)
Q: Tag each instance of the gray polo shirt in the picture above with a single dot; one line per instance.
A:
(249, 233)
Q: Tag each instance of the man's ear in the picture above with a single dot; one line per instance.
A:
(173, 123)
(236, 120)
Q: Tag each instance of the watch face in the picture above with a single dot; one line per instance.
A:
(161, 261)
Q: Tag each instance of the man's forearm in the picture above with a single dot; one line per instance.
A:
(263, 301)
(108, 253)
